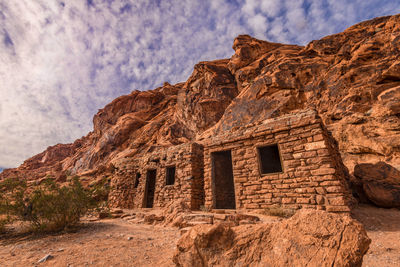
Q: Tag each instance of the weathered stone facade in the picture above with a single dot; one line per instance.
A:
(312, 174)
(188, 185)
(290, 161)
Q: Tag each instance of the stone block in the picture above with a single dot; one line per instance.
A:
(298, 147)
(287, 156)
(320, 190)
(302, 200)
(334, 189)
(287, 200)
(315, 145)
(292, 163)
(251, 206)
(300, 190)
(309, 154)
(337, 208)
(323, 152)
(266, 186)
(282, 186)
(318, 137)
(337, 201)
(323, 171)
(320, 200)
(330, 183)
(276, 200)
(302, 173)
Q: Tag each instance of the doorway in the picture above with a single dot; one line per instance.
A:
(150, 188)
(222, 180)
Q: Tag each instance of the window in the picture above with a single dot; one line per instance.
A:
(269, 159)
(170, 175)
(137, 179)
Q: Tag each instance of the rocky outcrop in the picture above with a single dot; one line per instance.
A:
(380, 183)
(351, 79)
(309, 238)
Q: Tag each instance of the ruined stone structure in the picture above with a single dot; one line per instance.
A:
(161, 176)
(289, 161)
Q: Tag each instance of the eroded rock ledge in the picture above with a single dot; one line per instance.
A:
(309, 238)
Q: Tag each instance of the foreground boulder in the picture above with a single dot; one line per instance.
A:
(380, 183)
(309, 238)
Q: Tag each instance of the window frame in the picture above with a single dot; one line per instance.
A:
(166, 175)
(257, 148)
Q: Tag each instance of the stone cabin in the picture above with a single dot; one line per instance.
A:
(160, 176)
(290, 161)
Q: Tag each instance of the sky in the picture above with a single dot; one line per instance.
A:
(62, 60)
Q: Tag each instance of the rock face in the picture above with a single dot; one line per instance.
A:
(309, 238)
(380, 183)
(352, 79)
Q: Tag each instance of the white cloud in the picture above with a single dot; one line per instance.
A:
(60, 61)
(271, 7)
(258, 24)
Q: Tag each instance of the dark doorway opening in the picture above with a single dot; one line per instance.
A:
(269, 159)
(222, 180)
(150, 188)
(170, 175)
(137, 179)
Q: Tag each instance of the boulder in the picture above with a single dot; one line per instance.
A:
(173, 213)
(380, 183)
(309, 238)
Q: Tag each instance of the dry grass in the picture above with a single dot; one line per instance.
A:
(279, 212)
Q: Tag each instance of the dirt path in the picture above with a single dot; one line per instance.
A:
(112, 242)
(383, 227)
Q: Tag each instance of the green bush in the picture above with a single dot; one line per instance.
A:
(55, 208)
(49, 207)
(11, 199)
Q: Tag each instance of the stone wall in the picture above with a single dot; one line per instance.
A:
(123, 184)
(313, 175)
(188, 185)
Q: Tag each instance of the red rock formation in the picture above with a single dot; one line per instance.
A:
(380, 183)
(309, 238)
(351, 78)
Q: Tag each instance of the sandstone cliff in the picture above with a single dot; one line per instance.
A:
(351, 78)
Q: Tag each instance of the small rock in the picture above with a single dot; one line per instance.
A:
(130, 237)
(45, 258)
(184, 230)
(117, 211)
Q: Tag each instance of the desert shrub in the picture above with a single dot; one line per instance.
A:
(100, 190)
(11, 198)
(279, 212)
(49, 207)
(54, 208)
(11, 201)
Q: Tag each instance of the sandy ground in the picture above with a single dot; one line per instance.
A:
(383, 227)
(111, 242)
(117, 242)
